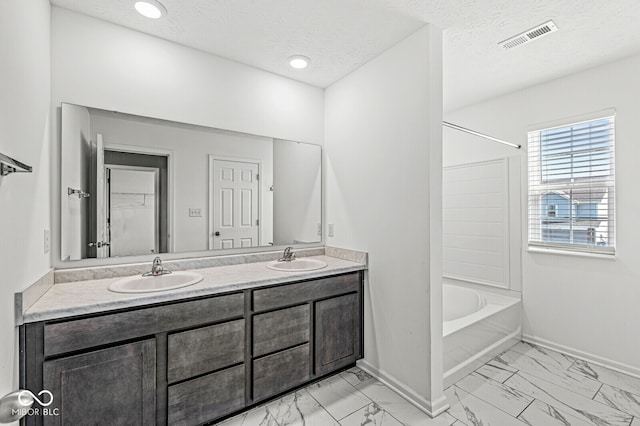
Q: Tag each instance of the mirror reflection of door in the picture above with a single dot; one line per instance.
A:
(132, 210)
(234, 204)
(130, 213)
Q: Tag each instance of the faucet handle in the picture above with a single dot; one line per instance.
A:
(288, 255)
(157, 268)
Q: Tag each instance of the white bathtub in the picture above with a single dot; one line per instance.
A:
(477, 325)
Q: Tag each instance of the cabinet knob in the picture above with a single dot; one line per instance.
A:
(217, 233)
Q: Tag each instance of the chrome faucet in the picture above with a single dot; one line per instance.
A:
(157, 268)
(288, 255)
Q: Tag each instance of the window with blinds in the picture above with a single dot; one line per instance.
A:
(572, 186)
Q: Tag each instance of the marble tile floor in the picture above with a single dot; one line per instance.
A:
(526, 385)
(531, 385)
(350, 398)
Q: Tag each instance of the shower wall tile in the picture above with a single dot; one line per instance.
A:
(475, 223)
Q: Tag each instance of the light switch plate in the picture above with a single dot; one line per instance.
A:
(319, 229)
(331, 230)
(195, 212)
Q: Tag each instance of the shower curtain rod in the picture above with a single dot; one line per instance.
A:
(482, 135)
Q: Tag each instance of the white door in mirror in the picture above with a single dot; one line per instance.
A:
(297, 265)
(148, 284)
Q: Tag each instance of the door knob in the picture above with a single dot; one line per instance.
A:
(217, 233)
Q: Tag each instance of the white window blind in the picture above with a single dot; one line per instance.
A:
(572, 186)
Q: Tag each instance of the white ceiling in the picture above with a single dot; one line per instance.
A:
(341, 35)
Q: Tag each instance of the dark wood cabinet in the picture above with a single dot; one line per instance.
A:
(280, 371)
(118, 384)
(207, 398)
(280, 329)
(193, 361)
(62, 337)
(205, 349)
(337, 336)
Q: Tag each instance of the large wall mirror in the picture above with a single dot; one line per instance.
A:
(135, 185)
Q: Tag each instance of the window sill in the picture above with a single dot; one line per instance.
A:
(555, 251)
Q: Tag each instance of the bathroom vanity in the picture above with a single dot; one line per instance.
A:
(199, 357)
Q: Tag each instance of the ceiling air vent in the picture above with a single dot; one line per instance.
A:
(529, 35)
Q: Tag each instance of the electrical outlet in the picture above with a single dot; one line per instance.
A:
(319, 229)
(331, 230)
(47, 241)
(195, 212)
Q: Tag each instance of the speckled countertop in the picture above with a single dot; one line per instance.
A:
(92, 296)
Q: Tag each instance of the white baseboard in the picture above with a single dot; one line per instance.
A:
(431, 408)
(595, 359)
(460, 371)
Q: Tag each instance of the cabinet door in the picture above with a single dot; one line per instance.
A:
(115, 385)
(337, 342)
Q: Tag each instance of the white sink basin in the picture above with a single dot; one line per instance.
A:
(298, 265)
(141, 284)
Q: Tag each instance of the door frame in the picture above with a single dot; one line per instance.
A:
(212, 158)
(170, 154)
(107, 193)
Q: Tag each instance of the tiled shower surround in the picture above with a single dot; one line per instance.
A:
(526, 385)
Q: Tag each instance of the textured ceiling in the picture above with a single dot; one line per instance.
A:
(341, 35)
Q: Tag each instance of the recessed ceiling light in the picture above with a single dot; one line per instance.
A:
(152, 9)
(299, 62)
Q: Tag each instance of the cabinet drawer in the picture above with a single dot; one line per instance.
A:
(291, 294)
(205, 349)
(275, 373)
(85, 333)
(206, 398)
(280, 329)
